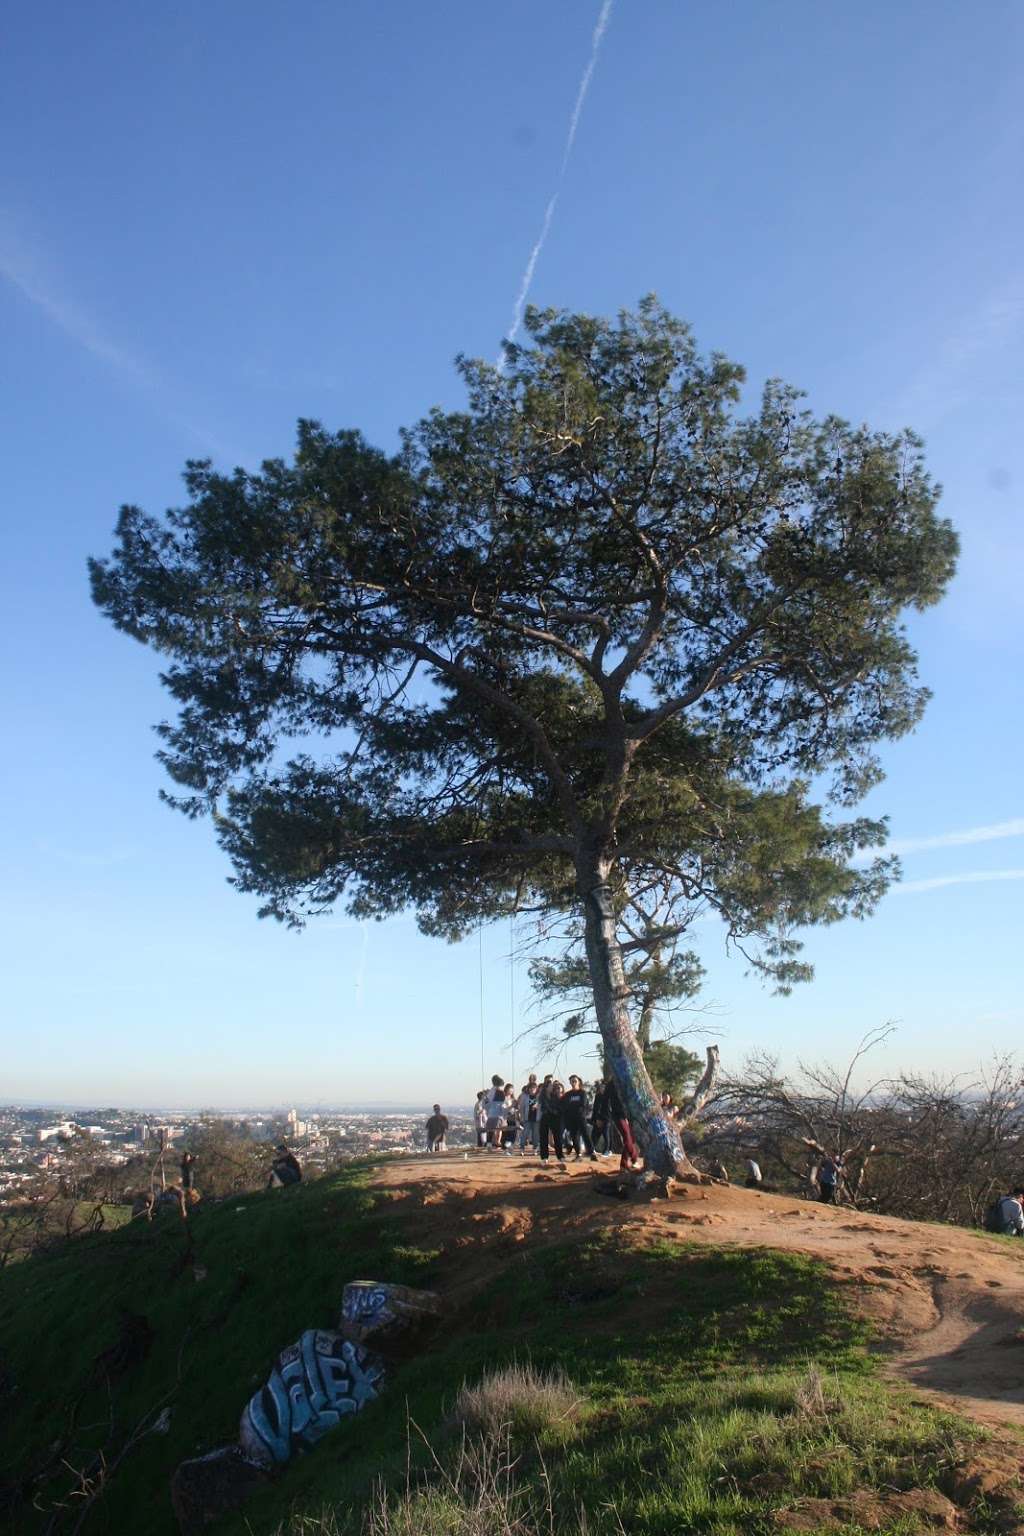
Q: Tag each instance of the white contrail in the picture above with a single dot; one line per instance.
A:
(570, 139)
(27, 269)
(972, 877)
(994, 832)
(989, 834)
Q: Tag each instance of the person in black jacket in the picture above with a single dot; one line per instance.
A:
(617, 1116)
(600, 1126)
(574, 1118)
(551, 1121)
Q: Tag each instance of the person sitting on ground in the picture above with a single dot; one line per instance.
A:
(285, 1169)
(574, 1118)
(753, 1179)
(1011, 1214)
(437, 1130)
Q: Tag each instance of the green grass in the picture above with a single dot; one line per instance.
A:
(716, 1384)
(275, 1263)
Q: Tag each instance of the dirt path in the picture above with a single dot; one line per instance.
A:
(949, 1301)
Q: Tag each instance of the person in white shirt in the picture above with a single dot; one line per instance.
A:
(495, 1112)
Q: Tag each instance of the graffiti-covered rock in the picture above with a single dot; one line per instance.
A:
(315, 1384)
(371, 1308)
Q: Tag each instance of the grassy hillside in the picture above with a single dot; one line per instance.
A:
(720, 1390)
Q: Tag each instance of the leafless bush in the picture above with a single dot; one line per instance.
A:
(928, 1147)
(812, 1400)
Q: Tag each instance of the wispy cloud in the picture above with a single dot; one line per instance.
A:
(30, 270)
(960, 839)
(971, 877)
(949, 376)
(570, 139)
(25, 268)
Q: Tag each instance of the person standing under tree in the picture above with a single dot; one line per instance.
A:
(480, 1118)
(188, 1175)
(574, 1118)
(508, 1135)
(617, 1116)
(551, 1122)
(496, 1112)
(529, 1115)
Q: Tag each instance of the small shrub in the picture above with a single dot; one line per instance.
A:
(521, 1402)
(811, 1401)
(475, 1493)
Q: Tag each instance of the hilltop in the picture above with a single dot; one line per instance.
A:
(744, 1362)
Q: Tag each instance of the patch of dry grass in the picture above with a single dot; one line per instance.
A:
(474, 1493)
(521, 1402)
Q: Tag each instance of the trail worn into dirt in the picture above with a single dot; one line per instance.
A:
(950, 1302)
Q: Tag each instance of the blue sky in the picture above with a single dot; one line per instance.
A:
(214, 219)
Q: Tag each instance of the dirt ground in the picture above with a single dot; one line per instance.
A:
(948, 1302)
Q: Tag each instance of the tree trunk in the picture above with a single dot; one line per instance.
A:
(658, 1136)
(643, 1023)
(706, 1087)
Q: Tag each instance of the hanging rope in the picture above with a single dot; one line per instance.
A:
(483, 1058)
(512, 992)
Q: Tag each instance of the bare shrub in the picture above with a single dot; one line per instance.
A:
(476, 1493)
(811, 1400)
(520, 1401)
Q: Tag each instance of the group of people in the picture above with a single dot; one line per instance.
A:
(285, 1169)
(549, 1118)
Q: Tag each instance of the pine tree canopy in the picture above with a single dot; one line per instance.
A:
(602, 624)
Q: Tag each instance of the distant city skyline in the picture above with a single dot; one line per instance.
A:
(220, 219)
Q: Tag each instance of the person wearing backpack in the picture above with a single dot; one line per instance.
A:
(830, 1172)
(1008, 1215)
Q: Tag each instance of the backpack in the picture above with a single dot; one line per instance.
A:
(992, 1221)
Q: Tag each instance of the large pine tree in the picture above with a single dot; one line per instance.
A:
(599, 628)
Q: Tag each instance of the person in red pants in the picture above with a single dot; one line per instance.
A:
(613, 1112)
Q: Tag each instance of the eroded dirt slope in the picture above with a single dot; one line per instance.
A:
(949, 1302)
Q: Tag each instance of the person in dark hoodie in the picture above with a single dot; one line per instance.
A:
(617, 1116)
(574, 1118)
(551, 1122)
